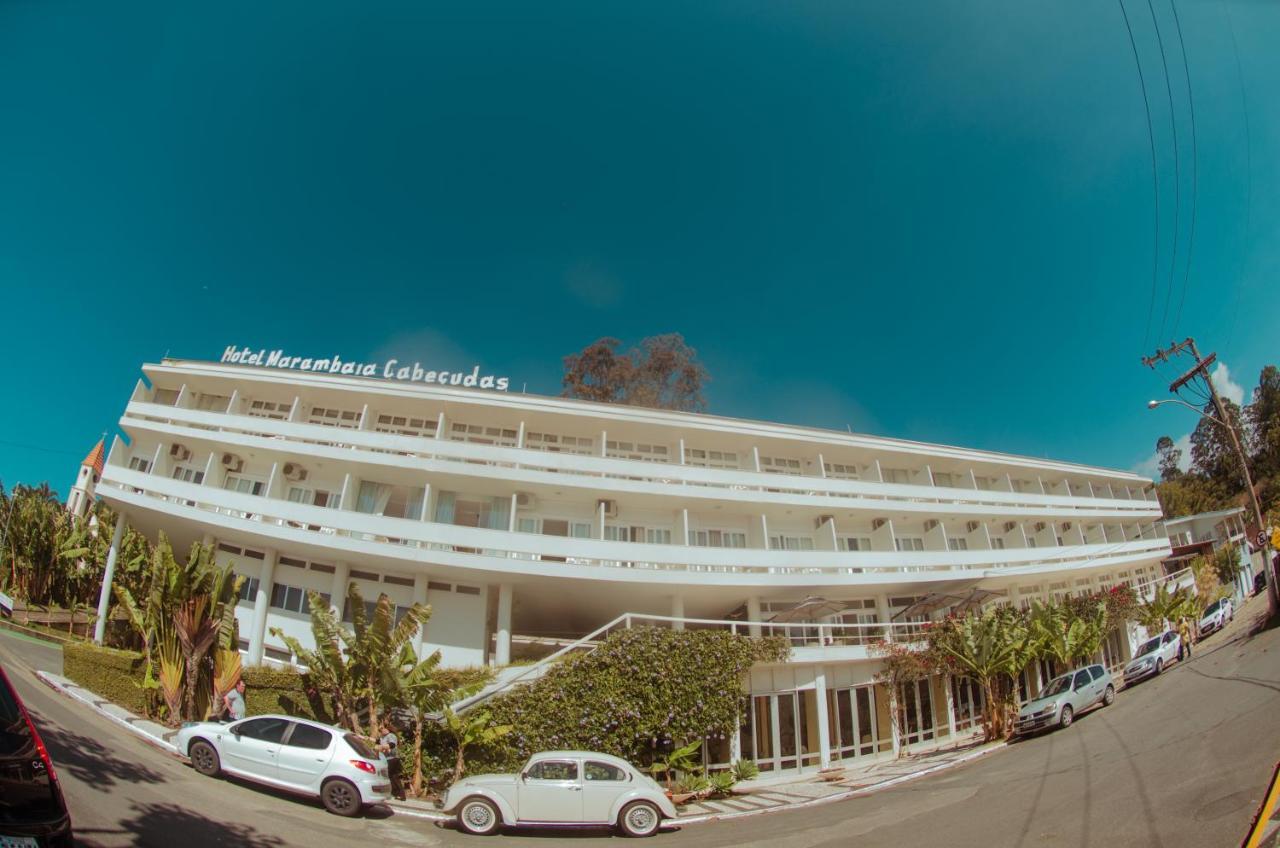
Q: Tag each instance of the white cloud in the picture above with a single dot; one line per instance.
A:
(1150, 467)
(1227, 387)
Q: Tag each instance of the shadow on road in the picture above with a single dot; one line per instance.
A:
(88, 760)
(169, 824)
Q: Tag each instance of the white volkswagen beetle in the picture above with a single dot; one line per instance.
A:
(561, 788)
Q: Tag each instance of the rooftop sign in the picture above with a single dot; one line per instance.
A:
(391, 369)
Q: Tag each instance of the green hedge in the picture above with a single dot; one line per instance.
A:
(115, 675)
(272, 690)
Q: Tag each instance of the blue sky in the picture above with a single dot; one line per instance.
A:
(926, 220)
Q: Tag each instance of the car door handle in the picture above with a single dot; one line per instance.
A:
(575, 788)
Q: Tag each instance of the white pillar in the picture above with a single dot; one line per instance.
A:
(338, 588)
(258, 630)
(677, 611)
(753, 616)
(104, 597)
(502, 654)
(824, 720)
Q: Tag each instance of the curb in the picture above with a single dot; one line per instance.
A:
(96, 704)
(852, 793)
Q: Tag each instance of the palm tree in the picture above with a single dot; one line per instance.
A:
(1165, 607)
(988, 647)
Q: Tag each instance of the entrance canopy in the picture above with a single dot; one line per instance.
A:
(962, 601)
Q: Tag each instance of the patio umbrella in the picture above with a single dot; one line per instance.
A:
(810, 609)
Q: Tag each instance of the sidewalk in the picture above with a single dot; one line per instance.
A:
(751, 798)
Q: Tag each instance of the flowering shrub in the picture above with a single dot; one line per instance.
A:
(641, 692)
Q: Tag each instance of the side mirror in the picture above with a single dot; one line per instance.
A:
(524, 777)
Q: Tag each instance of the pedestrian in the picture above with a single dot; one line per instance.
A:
(389, 744)
(1184, 639)
(233, 701)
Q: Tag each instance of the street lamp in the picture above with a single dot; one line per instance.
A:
(1273, 592)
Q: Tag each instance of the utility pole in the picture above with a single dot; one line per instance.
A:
(1201, 369)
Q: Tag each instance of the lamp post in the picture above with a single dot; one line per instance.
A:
(1273, 594)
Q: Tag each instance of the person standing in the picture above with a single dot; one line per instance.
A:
(1184, 639)
(389, 744)
(233, 701)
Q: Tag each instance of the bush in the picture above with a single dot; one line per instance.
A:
(286, 691)
(113, 674)
(641, 692)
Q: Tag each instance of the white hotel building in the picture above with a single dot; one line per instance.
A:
(528, 522)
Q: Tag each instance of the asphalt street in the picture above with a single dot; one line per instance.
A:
(1180, 760)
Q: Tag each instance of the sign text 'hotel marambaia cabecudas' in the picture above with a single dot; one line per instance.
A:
(391, 369)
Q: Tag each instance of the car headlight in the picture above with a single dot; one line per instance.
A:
(1047, 710)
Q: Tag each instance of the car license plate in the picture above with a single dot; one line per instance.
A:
(382, 787)
(18, 841)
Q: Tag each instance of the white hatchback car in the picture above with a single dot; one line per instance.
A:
(1152, 656)
(293, 754)
(1216, 616)
(557, 788)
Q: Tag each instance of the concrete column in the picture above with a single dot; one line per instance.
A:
(951, 706)
(104, 597)
(338, 588)
(258, 630)
(824, 720)
(207, 540)
(753, 616)
(677, 611)
(502, 655)
(882, 612)
(420, 597)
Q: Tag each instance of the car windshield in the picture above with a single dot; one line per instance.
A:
(1148, 646)
(1212, 608)
(1057, 686)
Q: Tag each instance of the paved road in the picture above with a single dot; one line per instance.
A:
(1177, 761)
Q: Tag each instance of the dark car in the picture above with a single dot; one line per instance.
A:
(33, 813)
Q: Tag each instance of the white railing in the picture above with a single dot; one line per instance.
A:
(514, 551)
(444, 455)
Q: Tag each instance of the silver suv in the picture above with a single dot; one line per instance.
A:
(1064, 698)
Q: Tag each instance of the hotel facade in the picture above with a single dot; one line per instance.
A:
(535, 524)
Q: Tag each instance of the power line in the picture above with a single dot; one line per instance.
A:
(1155, 179)
(1195, 167)
(1177, 170)
(1248, 154)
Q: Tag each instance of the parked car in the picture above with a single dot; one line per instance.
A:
(1152, 656)
(1064, 698)
(33, 813)
(293, 754)
(1259, 582)
(1216, 616)
(561, 788)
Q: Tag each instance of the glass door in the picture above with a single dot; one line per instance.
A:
(917, 701)
(854, 723)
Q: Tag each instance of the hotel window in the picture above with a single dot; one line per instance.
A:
(779, 465)
(648, 535)
(137, 463)
(855, 543)
(842, 471)
(492, 513)
(909, 543)
(347, 419)
(997, 543)
(986, 484)
(861, 611)
(711, 458)
(958, 544)
(165, 397)
(553, 443)
(243, 485)
(406, 425)
(276, 410)
(717, 539)
(555, 527)
(249, 589)
(944, 478)
(293, 598)
(790, 543)
(212, 403)
(188, 474)
(391, 501)
(636, 450)
(895, 475)
(482, 435)
(369, 607)
(312, 497)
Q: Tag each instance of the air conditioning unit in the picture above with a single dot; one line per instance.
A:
(294, 471)
(1066, 525)
(1039, 526)
(821, 520)
(930, 524)
(526, 500)
(877, 523)
(179, 452)
(231, 462)
(610, 507)
(971, 527)
(1008, 526)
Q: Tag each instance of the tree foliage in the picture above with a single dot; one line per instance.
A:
(661, 372)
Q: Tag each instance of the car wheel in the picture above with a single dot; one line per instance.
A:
(1159, 665)
(478, 816)
(340, 797)
(204, 758)
(639, 818)
(1109, 696)
(1067, 715)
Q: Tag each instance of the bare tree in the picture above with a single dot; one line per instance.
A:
(661, 372)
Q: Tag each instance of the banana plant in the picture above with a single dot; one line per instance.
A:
(470, 730)
(682, 759)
